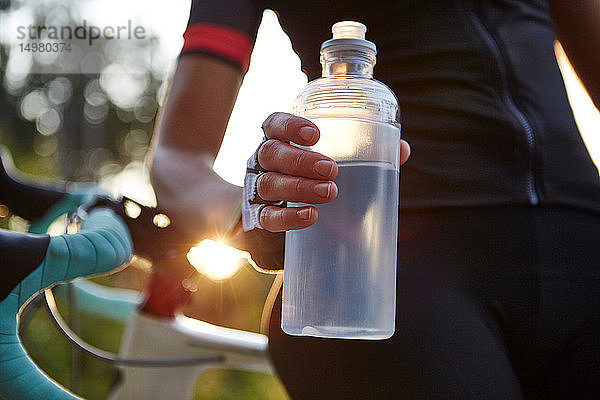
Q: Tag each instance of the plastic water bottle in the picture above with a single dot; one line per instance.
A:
(340, 274)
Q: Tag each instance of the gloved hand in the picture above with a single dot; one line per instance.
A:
(276, 173)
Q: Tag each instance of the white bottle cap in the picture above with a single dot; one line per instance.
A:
(349, 33)
(348, 30)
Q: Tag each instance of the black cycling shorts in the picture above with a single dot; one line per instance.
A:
(492, 303)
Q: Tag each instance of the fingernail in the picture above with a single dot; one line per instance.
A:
(323, 189)
(307, 133)
(304, 213)
(324, 168)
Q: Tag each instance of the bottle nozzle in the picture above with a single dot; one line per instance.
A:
(349, 33)
(348, 30)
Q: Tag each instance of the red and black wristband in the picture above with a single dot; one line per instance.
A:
(226, 43)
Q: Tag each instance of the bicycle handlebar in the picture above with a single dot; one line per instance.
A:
(103, 244)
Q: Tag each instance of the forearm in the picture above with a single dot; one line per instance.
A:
(577, 25)
(198, 106)
(188, 134)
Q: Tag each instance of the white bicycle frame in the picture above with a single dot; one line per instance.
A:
(155, 338)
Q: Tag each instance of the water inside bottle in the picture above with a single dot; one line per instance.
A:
(341, 272)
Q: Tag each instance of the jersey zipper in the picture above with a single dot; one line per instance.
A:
(510, 103)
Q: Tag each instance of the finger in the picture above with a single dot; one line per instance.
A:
(272, 186)
(275, 219)
(275, 155)
(288, 127)
(404, 151)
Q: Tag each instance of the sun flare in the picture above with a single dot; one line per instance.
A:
(216, 260)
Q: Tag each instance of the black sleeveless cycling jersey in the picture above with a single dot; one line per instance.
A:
(483, 104)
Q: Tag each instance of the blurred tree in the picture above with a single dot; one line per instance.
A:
(79, 114)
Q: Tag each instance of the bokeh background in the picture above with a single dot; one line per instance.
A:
(96, 125)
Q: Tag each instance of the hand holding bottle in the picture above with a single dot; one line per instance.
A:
(296, 174)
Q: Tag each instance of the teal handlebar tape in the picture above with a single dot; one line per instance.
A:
(102, 245)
